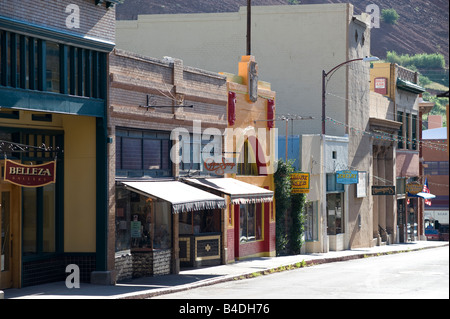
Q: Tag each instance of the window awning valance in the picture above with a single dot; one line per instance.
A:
(184, 198)
(240, 192)
(410, 87)
(109, 3)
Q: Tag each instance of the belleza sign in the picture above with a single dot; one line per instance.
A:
(30, 175)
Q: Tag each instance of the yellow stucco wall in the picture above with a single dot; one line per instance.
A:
(382, 70)
(79, 174)
(79, 184)
(251, 116)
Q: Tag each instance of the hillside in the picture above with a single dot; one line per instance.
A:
(422, 26)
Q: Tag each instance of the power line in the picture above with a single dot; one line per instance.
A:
(389, 137)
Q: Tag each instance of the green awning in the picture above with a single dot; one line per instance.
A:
(109, 3)
(409, 86)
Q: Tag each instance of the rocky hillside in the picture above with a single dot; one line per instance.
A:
(421, 28)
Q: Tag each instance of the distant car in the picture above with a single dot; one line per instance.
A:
(443, 232)
(431, 233)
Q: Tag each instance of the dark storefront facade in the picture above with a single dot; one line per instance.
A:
(53, 89)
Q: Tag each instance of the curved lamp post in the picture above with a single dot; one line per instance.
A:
(325, 74)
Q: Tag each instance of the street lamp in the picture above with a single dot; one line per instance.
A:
(325, 74)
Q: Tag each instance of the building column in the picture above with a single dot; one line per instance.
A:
(111, 148)
(382, 198)
(176, 244)
(391, 207)
(421, 209)
(375, 182)
(104, 273)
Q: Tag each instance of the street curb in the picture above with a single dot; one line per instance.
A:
(268, 271)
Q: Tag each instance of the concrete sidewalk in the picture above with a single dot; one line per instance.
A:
(147, 287)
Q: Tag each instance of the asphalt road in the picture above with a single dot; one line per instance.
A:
(420, 274)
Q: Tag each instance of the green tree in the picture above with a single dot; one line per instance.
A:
(282, 204)
(389, 16)
(417, 61)
(297, 226)
(290, 219)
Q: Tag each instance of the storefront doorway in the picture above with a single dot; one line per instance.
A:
(401, 220)
(10, 238)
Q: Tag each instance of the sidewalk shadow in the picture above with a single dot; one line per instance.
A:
(163, 281)
(58, 290)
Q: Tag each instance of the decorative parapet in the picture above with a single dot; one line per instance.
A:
(407, 75)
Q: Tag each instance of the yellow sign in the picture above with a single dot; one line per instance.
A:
(414, 188)
(300, 183)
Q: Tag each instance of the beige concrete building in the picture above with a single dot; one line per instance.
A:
(292, 44)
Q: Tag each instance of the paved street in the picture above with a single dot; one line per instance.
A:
(418, 274)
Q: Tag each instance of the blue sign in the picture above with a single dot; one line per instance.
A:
(347, 177)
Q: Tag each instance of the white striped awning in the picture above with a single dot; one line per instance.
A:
(184, 198)
(239, 192)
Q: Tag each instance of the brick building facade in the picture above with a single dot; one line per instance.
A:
(149, 100)
(435, 170)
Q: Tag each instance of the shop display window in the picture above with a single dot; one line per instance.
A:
(311, 225)
(335, 214)
(250, 219)
(141, 222)
(200, 222)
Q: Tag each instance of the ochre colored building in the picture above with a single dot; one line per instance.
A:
(251, 109)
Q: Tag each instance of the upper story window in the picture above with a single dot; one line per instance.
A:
(414, 132)
(247, 164)
(36, 64)
(52, 62)
(143, 153)
(407, 133)
(436, 168)
(332, 186)
(400, 130)
(194, 150)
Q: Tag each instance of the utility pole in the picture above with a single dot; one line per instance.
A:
(287, 118)
(249, 26)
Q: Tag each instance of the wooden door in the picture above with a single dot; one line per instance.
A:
(9, 235)
(5, 238)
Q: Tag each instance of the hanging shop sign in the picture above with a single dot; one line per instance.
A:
(414, 188)
(347, 177)
(30, 175)
(300, 183)
(383, 190)
(361, 187)
(225, 166)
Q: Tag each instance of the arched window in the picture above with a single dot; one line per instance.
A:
(247, 161)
